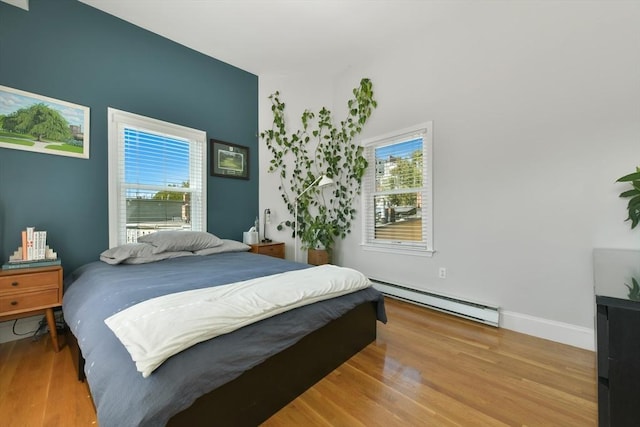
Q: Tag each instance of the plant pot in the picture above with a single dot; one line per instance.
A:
(318, 257)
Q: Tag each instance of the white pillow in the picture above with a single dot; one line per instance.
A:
(173, 241)
(226, 246)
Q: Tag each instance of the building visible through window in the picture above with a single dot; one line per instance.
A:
(156, 170)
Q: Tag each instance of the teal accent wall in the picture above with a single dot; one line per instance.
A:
(67, 50)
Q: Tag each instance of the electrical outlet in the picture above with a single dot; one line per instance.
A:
(442, 273)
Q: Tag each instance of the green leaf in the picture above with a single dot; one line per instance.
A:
(631, 177)
(634, 290)
(633, 202)
(630, 193)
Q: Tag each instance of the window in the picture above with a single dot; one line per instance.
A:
(397, 197)
(157, 177)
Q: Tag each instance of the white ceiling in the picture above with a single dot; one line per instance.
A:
(285, 36)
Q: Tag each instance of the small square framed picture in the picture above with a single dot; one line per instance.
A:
(229, 160)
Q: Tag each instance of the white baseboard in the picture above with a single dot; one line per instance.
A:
(479, 312)
(26, 325)
(566, 333)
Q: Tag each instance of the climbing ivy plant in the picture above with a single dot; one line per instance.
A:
(320, 147)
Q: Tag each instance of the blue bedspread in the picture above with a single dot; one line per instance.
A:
(121, 395)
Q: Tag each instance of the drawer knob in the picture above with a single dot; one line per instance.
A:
(14, 283)
(14, 302)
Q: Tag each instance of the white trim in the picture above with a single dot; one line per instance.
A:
(158, 126)
(398, 135)
(22, 4)
(396, 249)
(565, 333)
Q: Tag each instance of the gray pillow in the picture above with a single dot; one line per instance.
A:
(173, 241)
(156, 257)
(226, 246)
(137, 253)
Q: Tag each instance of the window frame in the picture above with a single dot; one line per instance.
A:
(426, 246)
(117, 120)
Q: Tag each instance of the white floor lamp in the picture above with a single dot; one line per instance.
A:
(321, 181)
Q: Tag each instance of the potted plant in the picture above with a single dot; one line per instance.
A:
(634, 194)
(320, 147)
(319, 236)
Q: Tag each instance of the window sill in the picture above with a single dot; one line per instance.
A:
(397, 249)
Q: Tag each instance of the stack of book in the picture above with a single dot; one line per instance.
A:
(34, 251)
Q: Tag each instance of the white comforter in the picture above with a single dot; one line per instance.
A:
(154, 330)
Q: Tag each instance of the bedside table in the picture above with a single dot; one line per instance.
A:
(30, 291)
(274, 249)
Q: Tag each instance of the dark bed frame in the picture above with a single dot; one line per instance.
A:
(263, 390)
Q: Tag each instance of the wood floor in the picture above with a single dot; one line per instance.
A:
(425, 369)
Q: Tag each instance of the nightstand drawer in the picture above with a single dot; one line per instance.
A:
(29, 281)
(272, 250)
(28, 301)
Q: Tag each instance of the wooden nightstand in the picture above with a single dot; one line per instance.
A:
(30, 291)
(274, 249)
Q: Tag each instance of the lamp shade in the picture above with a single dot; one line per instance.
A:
(325, 180)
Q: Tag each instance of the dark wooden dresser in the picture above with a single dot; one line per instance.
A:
(618, 337)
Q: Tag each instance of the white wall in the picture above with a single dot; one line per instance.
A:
(536, 111)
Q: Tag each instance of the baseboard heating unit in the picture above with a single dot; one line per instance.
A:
(469, 310)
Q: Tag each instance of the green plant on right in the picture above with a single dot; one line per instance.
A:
(634, 194)
(634, 290)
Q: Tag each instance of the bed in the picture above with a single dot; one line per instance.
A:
(239, 378)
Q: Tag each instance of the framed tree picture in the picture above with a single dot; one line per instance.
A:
(32, 122)
(229, 160)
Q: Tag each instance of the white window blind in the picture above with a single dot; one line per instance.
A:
(157, 177)
(397, 201)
